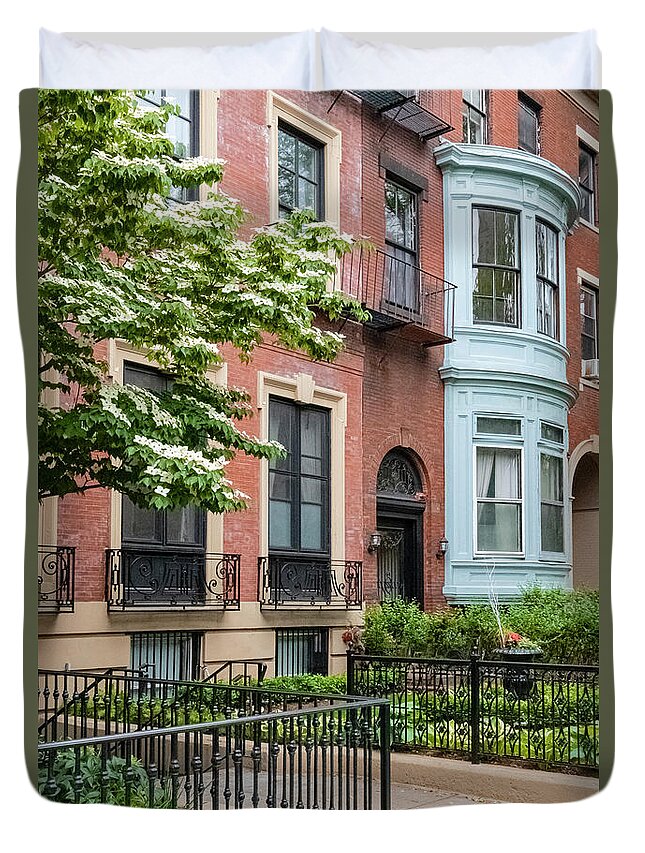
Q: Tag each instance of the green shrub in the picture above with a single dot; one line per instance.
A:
(396, 627)
(308, 683)
(563, 623)
(64, 775)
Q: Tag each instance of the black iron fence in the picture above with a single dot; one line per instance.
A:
(291, 582)
(543, 714)
(138, 578)
(56, 566)
(242, 672)
(397, 292)
(135, 741)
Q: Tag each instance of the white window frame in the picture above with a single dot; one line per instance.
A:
(551, 447)
(493, 445)
(495, 436)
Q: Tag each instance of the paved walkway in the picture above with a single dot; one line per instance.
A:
(415, 797)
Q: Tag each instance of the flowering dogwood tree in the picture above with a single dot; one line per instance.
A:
(119, 259)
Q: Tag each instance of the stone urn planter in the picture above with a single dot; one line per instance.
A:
(519, 680)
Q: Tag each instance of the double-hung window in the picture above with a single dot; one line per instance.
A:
(474, 116)
(498, 485)
(552, 489)
(528, 125)
(300, 172)
(499, 500)
(401, 240)
(496, 266)
(182, 129)
(299, 485)
(547, 277)
(589, 325)
(587, 178)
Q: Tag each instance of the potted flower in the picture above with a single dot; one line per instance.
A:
(353, 639)
(518, 649)
(515, 647)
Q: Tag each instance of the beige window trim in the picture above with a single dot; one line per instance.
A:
(118, 352)
(587, 139)
(279, 108)
(302, 388)
(208, 102)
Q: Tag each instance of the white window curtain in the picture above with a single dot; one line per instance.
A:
(498, 500)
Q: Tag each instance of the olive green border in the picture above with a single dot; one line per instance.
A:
(608, 269)
(27, 289)
(26, 286)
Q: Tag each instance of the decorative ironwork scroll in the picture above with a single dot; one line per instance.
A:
(56, 565)
(145, 578)
(397, 476)
(300, 581)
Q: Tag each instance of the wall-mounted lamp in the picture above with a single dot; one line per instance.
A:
(443, 547)
(375, 542)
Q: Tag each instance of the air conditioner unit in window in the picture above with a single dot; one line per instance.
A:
(591, 368)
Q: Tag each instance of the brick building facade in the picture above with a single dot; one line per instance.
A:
(401, 508)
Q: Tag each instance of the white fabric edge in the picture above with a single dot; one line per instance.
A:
(568, 61)
(283, 62)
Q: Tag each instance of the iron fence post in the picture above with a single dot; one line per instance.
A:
(386, 796)
(350, 673)
(475, 670)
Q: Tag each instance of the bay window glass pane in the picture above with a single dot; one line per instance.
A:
(505, 302)
(505, 238)
(498, 473)
(552, 538)
(498, 527)
(499, 426)
(552, 433)
(484, 236)
(484, 282)
(551, 477)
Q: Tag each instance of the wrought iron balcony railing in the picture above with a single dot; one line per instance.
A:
(398, 294)
(138, 578)
(56, 565)
(292, 582)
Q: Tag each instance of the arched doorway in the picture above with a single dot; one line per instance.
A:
(585, 514)
(399, 521)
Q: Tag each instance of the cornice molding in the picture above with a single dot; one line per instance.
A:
(453, 157)
(496, 379)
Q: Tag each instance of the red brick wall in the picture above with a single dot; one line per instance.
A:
(395, 396)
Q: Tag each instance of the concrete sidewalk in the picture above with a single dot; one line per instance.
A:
(422, 781)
